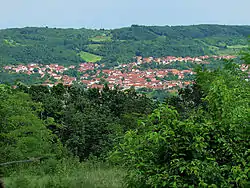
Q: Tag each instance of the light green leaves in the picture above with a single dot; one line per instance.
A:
(207, 149)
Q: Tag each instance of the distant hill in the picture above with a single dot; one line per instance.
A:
(71, 46)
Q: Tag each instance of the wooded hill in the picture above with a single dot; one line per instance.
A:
(71, 46)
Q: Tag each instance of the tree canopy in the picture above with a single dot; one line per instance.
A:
(207, 146)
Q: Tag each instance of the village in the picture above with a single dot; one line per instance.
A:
(94, 75)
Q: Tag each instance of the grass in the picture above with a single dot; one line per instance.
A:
(65, 175)
(238, 46)
(229, 51)
(88, 57)
(11, 43)
(101, 39)
(232, 50)
(94, 46)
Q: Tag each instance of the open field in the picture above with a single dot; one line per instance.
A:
(101, 39)
(94, 46)
(238, 46)
(11, 43)
(88, 57)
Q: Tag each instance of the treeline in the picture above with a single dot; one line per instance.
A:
(87, 122)
(137, 32)
(62, 46)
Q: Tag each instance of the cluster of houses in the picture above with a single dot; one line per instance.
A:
(170, 59)
(139, 79)
(94, 75)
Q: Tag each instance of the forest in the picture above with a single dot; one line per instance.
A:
(112, 47)
(70, 136)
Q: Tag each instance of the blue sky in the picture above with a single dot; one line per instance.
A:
(120, 13)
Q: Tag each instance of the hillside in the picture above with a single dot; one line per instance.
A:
(112, 47)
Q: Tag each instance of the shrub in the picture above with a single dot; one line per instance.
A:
(208, 149)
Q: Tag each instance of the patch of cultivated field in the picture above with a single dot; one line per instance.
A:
(88, 57)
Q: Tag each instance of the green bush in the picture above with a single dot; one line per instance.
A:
(22, 134)
(208, 149)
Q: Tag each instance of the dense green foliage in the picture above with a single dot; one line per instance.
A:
(37, 121)
(12, 78)
(207, 146)
(90, 120)
(23, 134)
(69, 46)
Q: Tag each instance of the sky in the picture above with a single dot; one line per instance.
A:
(121, 13)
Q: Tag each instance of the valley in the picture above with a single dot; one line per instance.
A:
(169, 73)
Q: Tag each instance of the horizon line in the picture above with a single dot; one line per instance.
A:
(96, 28)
